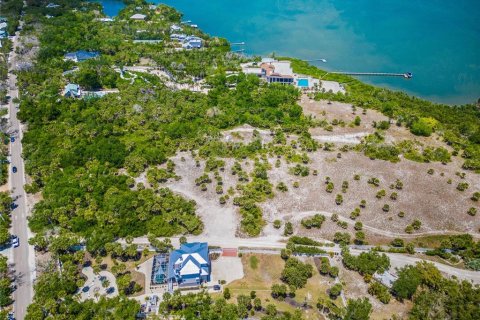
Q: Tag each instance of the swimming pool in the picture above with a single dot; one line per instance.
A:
(302, 83)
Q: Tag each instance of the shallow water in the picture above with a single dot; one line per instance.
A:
(437, 40)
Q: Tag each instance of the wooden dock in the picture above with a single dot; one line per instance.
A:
(406, 75)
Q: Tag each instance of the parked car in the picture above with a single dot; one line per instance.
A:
(110, 290)
(14, 169)
(13, 205)
(102, 278)
(12, 139)
(10, 316)
(15, 241)
(216, 287)
(85, 289)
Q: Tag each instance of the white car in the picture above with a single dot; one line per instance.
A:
(15, 241)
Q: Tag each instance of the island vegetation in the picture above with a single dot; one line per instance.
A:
(99, 165)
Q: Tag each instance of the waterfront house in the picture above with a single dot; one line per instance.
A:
(81, 55)
(277, 71)
(72, 91)
(138, 16)
(192, 42)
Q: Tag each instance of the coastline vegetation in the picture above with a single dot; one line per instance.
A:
(459, 126)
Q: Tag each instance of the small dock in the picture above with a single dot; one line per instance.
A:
(406, 75)
(316, 60)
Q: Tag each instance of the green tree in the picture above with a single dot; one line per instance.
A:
(358, 309)
(409, 278)
(226, 293)
(335, 290)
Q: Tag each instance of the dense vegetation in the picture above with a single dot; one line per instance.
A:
(5, 284)
(75, 148)
(462, 246)
(5, 209)
(366, 263)
(452, 299)
(84, 156)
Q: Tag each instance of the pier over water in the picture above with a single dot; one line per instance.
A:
(406, 75)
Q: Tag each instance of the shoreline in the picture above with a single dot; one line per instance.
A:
(422, 79)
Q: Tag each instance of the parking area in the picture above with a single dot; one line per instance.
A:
(103, 284)
(226, 268)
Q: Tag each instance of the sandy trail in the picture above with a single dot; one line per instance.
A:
(297, 216)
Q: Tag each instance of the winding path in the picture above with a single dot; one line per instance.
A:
(300, 215)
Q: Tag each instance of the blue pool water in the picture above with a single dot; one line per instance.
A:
(302, 83)
(437, 40)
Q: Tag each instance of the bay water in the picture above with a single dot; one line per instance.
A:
(437, 40)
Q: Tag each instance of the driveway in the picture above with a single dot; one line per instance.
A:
(95, 285)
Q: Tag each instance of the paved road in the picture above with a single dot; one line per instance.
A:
(24, 255)
(268, 243)
(400, 260)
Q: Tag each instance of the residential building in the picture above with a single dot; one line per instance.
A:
(72, 91)
(81, 55)
(138, 16)
(386, 278)
(252, 68)
(3, 28)
(277, 71)
(190, 265)
(106, 19)
(178, 37)
(192, 42)
(175, 28)
(273, 71)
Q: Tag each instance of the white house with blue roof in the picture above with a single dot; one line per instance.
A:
(72, 90)
(190, 265)
(81, 55)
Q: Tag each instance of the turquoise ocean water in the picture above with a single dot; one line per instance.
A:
(437, 40)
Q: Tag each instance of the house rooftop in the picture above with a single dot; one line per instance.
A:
(81, 55)
(283, 67)
(138, 16)
(190, 260)
(386, 278)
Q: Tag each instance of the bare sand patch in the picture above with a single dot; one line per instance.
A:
(429, 198)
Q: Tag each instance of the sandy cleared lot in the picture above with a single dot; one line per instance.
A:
(431, 198)
(227, 268)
